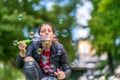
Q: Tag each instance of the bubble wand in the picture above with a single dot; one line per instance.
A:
(27, 41)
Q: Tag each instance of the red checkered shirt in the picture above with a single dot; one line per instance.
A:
(45, 63)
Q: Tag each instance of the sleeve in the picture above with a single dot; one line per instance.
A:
(64, 62)
(30, 50)
(20, 60)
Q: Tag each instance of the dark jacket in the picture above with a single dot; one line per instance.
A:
(59, 56)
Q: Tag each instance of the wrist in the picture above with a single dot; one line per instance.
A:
(22, 53)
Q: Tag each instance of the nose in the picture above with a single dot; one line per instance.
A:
(46, 33)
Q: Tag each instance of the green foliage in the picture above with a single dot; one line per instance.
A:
(101, 66)
(105, 23)
(8, 72)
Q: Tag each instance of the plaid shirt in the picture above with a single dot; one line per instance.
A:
(45, 63)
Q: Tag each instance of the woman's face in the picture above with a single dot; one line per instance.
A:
(46, 31)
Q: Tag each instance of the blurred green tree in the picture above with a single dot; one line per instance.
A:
(105, 27)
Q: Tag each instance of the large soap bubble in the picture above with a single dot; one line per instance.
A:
(64, 33)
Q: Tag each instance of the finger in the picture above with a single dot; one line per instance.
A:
(61, 72)
(56, 73)
(23, 44)
(20, 46)
(61, 78)
(58, 70)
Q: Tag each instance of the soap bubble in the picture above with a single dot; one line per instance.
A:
(73, 42)
(20, 17)
(64, 33)
(15, 42)
(31, 34)
(39, 51)
(60, 21)
(57, 32)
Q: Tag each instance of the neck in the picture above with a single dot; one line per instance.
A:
(46, 49)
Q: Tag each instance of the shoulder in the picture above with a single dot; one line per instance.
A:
(58, 45)
(35, 44)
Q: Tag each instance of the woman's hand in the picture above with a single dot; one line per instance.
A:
(60, 74)
(22, 46)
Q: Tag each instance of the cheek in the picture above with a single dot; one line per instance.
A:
(51, 34)
(42, 34)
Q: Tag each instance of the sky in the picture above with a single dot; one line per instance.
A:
(83, 12)
(83, 15)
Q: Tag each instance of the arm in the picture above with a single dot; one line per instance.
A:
(21, 56)
(19, 61)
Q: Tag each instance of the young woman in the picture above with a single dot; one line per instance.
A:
(46, 60)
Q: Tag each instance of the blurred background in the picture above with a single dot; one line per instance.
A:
(88, 29)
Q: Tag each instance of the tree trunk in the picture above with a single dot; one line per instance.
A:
(110, 63)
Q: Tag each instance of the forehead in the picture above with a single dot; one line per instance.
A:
(46, 27)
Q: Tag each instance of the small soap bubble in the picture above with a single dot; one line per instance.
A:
(31, 34)
(15, 42)
(73, 42)
(39, 50)
(60, 21)
(57, 32)
(64, 33)
(20, 17)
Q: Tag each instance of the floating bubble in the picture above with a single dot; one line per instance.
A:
(39, 51)
(15, 42)
(20, 17)
(60, 21)
(73, 43)
(64, 33)
(57, 32)
(31, 34)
